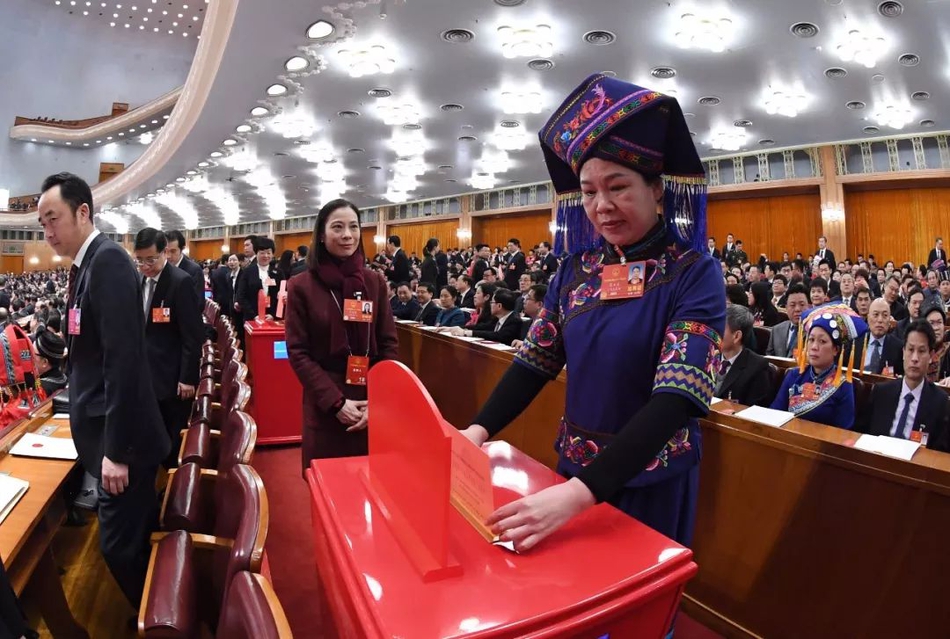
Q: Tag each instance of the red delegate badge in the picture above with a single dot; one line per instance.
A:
(357, 367)
(161, 315)
(357, 311)
(623, 281)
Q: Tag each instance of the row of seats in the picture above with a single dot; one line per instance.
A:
(204, 571)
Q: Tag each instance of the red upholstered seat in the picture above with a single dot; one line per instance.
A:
(232, 444)
(252, 611)
(170, 601)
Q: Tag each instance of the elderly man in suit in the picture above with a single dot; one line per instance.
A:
(173, 333)
(113, 414)
(884, 354)
(784, 337)
(744, 375)
(911, 407)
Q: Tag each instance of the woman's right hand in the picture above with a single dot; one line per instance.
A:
(351, 413)
(476, 434)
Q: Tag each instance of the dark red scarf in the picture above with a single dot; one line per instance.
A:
(344, 277)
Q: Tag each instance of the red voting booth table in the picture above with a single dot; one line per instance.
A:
(277, 401)
(397, 558)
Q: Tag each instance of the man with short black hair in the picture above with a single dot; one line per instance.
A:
(428, 311)
(548, 261)
(300, 265)
(937, 259)
(113, 414)
(505, 325)
(891, 294)
(398, 269)
(480, 263)
(743, 375)
(406, 308)
(175, 252)
(516, 264)
(825, 253)
(783, 340)
(466, 288)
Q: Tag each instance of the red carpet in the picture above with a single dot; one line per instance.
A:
(290, 546)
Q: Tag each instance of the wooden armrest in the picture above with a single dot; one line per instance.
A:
(148, 586)
(204, 542)
(206, 474)
(215, 434)
(215, 405)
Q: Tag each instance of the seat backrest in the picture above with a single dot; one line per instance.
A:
(238, 438)
(776, 375)
(241, 515)
(233, 371)
(252, 611)
(762, 334)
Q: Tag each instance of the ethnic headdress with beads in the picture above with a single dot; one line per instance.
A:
(843, 326)
(636, 127)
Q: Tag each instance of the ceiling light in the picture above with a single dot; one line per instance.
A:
(147, 137)
(243, 128)
(511, 139)
(731, 139)
(294, 124)
(861, 47)
(216, 154)
(369, 61)
(784, 102)
(276, 89)
(526, 42)
(259, 111)
(191, 172)
(69, 144)
(203, 164)
(706, 31)
(320, 29)
(397, 113)
(229, 142)
(226, 204)
(521, 101)
(297, 63)
(894, 115)
(316, 153)
(494, 161)
(482, 182)
(407, 143)
(242, 160)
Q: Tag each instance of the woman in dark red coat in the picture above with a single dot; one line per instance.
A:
(324, 350)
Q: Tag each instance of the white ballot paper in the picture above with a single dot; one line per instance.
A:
(767, 416)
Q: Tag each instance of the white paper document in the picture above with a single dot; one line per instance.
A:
(33, 445)
(767, 416)
(890, 446)
(61, 416)
(11, 489)
(714, 401)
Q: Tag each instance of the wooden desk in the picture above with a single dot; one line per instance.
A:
(26, 533)
(798, 535)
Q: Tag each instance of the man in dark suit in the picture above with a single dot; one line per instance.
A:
(173, 333)
(516, 264)
(428, 309)
(219, 278)
(884, 354)
(480, 262)
(937, 259)
(175, 252)
(261, 275)
(711, 248)
(406, 307)
(912, 407)
(744, 375)
(398, 270)
(783, 340)
(442, 262)
(4, 294)
(300, 265)
(225, 284)
(505, 325)
(113, 414)
(466, 289)
(825, 253)
(548, 261)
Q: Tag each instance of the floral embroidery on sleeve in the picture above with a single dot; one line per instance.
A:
(688, 359)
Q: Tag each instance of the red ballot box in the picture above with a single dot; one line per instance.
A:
(393, 562)
(277, 398)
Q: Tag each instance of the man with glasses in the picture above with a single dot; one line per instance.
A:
(173, 333)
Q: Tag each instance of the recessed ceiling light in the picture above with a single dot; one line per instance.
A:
(297, 63)
(356, 150)
(374, 167)
(855, 105)
(599, 37)
(890, 9)
(467, 138)
(709, 100)
(445, 167)
(767, 142)
(877, 78)
(451, 107)
(927, 123)
(870, 130)
(510, 124)
(412, 126)
(191, 172)
(509, 3)
(348, 114)
(243, 128)
(320, 29)
(663, 73)
(456, 36)
(836, 72)
(259, 111)
(804, 30)
(216, 154)
(742, 123)
(276, 89)
(920, 96)
(203, 164)
(379, 92)
(229, 142)
(452, 180)
(909, 60)
(541, 64)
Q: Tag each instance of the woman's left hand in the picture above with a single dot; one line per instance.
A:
(530, 519)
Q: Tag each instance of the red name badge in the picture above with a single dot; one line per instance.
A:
(357, 368)
(75, 314)
(623, 281)
(357, 311)
(919, 436)
(161, 315)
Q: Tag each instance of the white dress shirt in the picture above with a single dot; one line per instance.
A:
(85, 247)
(911, 414)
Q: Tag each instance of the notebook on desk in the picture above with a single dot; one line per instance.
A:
(11, 489)
(33, 445)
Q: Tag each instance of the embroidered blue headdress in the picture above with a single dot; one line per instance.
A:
(638, 128)
(843, 326)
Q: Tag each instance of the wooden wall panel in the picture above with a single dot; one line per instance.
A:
(200, 250)
(768, 225)
(898, 224)
(291, 241)
(496, 230)
(369, 246)
(11, 264)
(415, 235)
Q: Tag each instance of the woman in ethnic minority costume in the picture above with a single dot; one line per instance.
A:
(641, 358)
(820, 389)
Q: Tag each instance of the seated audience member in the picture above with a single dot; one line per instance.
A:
(407, 307)
(744, 374)
(466, 289)
(915, 299)
(862, 302)
(524, 283)
(847, 290)
(450, 315)
(818, 291)
(490, 275)
(818, 389)
(783, 341)
(533, 304)
(912, 407)
(48, 352)
(393, 298)
(779, 289)
(891, 294)
(760, 304)
(482, 317)
(883, 353)
(505, 326)
(943, 290)
(731, 279)
(736, 294)
(428, 307)
(939, 369)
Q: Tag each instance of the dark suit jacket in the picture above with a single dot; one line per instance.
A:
(298, 267)
(933, 256)
(467, 299)
(249, 283)
(513, 269)
(549, 266)
(224, 294)
(715, 253)
(220, 284)
(174, 348)
(407, 311)
(932, 412)
(430, 271)
(830, 256)
(197, 275)
(4, 299)
(442, 261)
(112, 407)
(747, 380)
(509, 331)
(398, 271)
(479, 266)
(428, 314)
(892, 354)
